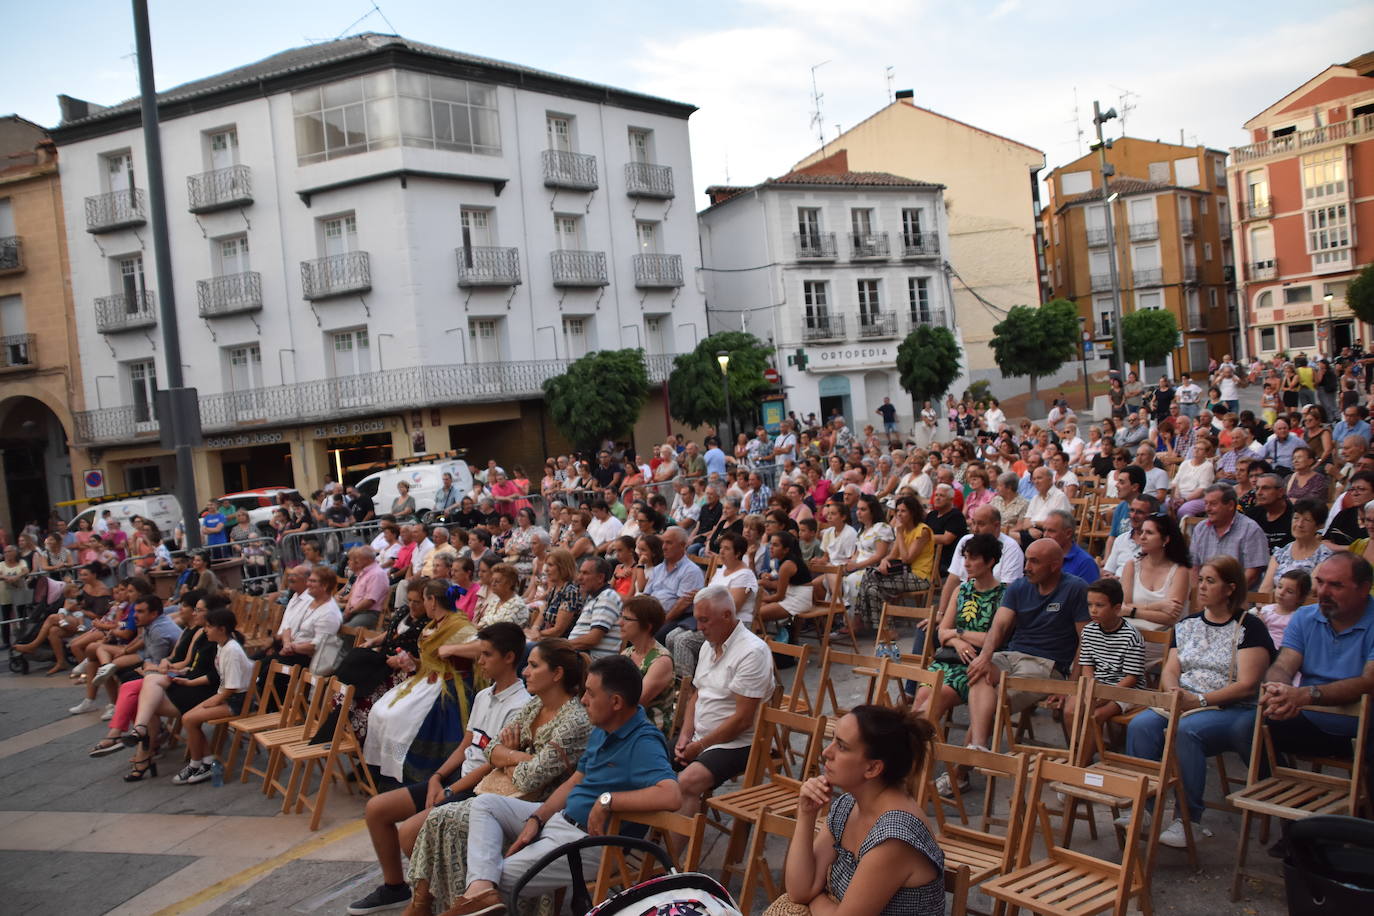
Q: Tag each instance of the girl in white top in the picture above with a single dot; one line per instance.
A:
(735, 574)
(1155, 584)
(235, 674)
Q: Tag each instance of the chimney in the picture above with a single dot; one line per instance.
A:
(905, 95)
(719, 193)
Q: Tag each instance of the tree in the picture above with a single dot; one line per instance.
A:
(1359, 295)
(696, 395)
(927, 363)
(599, 396)
(1148, 335)
(1036, 341)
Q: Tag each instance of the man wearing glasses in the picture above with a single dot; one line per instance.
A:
(1272, 511)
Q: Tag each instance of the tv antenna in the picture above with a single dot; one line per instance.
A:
(1077, 124)
(890, 77)
(1124, 105)
(817, 118)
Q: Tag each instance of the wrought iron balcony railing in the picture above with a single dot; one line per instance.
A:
(1190, 273)
(482, 265)
(1196, 320)
(16, 351)
(1142, 232)
(214, 190)
(1304, 139)
(822, 327)
(920, 244)
(1264, 270)
(815, 246)
(1260, 208)
(232, 294)
(125, 312)
(11, 254)
(1100, 283)
(572, 171)
(1148, 276)
(336, 275)
(579, 268)
(877, 325)
(868, 245)
(644, 179)
(115, 210)
(919, 316)
(1098, 237)
(1186, 226)
(658, 271)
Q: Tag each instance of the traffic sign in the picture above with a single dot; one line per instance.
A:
(771, 376)
(95, 482)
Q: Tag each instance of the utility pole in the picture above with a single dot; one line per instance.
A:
(1107, 169)
(179, 409)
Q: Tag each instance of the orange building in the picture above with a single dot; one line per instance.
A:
(39, 371)
(1303, 190)
(1172, 225)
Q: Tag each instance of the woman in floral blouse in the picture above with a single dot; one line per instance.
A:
(564, 601)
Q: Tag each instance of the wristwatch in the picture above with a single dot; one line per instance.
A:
(1201, 700)
(1315, 693)
(605, 801)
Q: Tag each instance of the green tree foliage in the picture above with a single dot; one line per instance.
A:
(1035, 342)
(1359, 295)
(1148, 335)
(599, 397)
(696, 395)
(928, 363)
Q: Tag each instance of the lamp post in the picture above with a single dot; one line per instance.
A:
(1329, 343)
(1101, 117)
(723, 357)
(1083, 355)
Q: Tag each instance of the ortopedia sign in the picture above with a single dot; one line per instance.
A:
(852, 356)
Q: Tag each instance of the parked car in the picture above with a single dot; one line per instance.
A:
(425, 481)
(259, 504)
(162, 508)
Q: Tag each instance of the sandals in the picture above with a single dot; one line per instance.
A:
(136, 736)
(105, 747)
(142, 769)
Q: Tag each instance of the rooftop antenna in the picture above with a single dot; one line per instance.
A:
(817, 119)
(890, 77)
(1077, 124)
(1124, 105)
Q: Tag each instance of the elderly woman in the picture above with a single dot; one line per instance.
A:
(508, 494)
(520, 544)
(1193, 478)
(1306, 482)
(1009, 501)
(979, 495)
(404, 503)
(505, 603)
(1306, 551)
(640, 618)
(876, 857)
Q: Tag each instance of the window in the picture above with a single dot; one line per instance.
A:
(1257, 188)
(646, 232)
(131, 283)
(861, 222)
(1323, 173)
(1328, 228)
(476, 227)
(1265, 300)
(911, 226)
(1159, 172)
(1268, 339)
(918, 299)
(1293, 295)
(1219, 170)
(575, 337)
(352, 353)
(1334, 290)
(391, 108)
(869, 304)
(14, 347)
(231, 255)
(1211, 297)
(567, 232)
(340, 234)
(817, 301)
(1206, 251)
(484, 340)
(640, 150)
(809, 225)
(1224, 216)
(1302, 336)
(1202, 205)
(1075, 183)
(6, 219)
(559, 131)
(1096, 217)
(655, 335)
(119, 171)
(142, 376)
(245, 378)
(1262, 246)
(1186, 173)
(224, 148)
(1102, 306)
(1150, 300)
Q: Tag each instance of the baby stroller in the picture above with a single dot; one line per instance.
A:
(47, 600)
(1329, 867)
(674, 894)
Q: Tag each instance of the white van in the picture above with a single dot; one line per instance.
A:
(162, 508)
(425, 481)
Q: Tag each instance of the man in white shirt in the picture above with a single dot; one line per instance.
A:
(785, 445)
(1071, 444)
(1156, 479)
(1047, 498)
(423, 548)
(734, 675)
(985, 520)
(605, 527)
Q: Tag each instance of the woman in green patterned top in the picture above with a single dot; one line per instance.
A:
(640, 618)
(966, 622)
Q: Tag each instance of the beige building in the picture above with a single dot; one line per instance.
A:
(991, 199)
(40, 383)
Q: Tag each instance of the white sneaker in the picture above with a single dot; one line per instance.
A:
(86, 705)
(1173, 836)
(103, 674)
(81, 667)
(108, 714)
(945, 788)
(1124, 821)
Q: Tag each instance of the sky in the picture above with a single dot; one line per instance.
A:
(1012, 67)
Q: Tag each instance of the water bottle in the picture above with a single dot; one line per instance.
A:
(217, 774)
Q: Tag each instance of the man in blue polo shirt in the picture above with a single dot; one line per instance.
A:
(1331, 644)
(625, 769)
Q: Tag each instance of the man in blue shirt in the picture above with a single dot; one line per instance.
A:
(625, 769)
(673, 582)
(715, 458)
(1059, 526)
(1353, 424)
(1331, 644)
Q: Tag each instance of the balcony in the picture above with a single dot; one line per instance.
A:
(1143, 232)
(1190, 274)
(919, 316)
(644, 179)
(569, 171)
(1185, 226)
(16, 352)
(1148, 276)
(1101, 283)
(920, 245)
(1299, 141)
(125, 312)
(1098, 237)
(336, 275)
(115, 210)
(579, 268)
(11, 254)
(816, 328)
(232, 294)
(658, 271)
(1263, 270)
(486, 266)
(1262, 208)
(1196, 320)
(868, 246)
(877, 325)
(814, 246)
(220, 188)
(411, 388)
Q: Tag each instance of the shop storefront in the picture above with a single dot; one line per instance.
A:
(850, 379)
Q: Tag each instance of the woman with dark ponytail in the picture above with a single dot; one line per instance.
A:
(877, 852)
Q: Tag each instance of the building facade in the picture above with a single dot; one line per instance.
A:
(1171, 218)
(379, 248)
(40, 375)
(832, 267)
(992, 197)
(1302, 191)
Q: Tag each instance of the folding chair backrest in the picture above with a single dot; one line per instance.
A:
(1356, 794)
(925, 619)
(285, 697)
(668, 829)
(1049, 771)
(798, 698)
(1007, 729)
(826, 688)
(774, 728)
(684, 696)
(1013, 769)
(903, 671)
(1168, 703)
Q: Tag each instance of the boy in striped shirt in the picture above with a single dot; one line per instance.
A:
(1109, 649)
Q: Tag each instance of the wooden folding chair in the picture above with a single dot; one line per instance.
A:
(1082, 507)
(1066, 882)
(897, 674)
(312, 703)
(925, 597)
(866, 666)
(926, 619)
(301, 756)
(249, 707)
(1013, 730)
(1153, 669)
(822, 616)
(1291, 794)
(275, 708)
(798, 699)
(757, 869)
(684, 697)
(671, 830)
(1099, 527)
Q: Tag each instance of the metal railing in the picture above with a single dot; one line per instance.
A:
(124, 312)
(920, 244)
(644, 179)
(1196, 320)
(823, 327)
(579, 268)
(1141, 232)
(1263, 270)
(11, 253)
(1185, 226)
(865, 245)
(1098, 237)
(573, 171)
(919, 316)
(1304, 139)
(1190, 273)
(16, 351)
(232, 294)
(1100, 282)
(483, 265)
(877, 325)
(1261, 208)
(350, 272)
(115, 210)
(815, 246)
(658, 271)
(1148, 276)
(226, 187)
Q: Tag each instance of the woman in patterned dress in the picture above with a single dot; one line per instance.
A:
(640, 618)
(966, 622)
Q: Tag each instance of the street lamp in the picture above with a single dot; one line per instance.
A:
(723, 357)
(1101, 117)
(1330, 326)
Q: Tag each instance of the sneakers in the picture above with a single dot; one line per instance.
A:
(945, 787)
(80, 669)
(487, 903)
(193, 772)
(385, 897)
(1174, 836)
(84, 706)
(108, 714)
(1124, 821)
(103, 674)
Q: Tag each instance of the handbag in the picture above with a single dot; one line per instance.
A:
(947, 655)
(500, 782)
(328, 653)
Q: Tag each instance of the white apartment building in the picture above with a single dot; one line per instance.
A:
(379, 248)
(837, 268)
